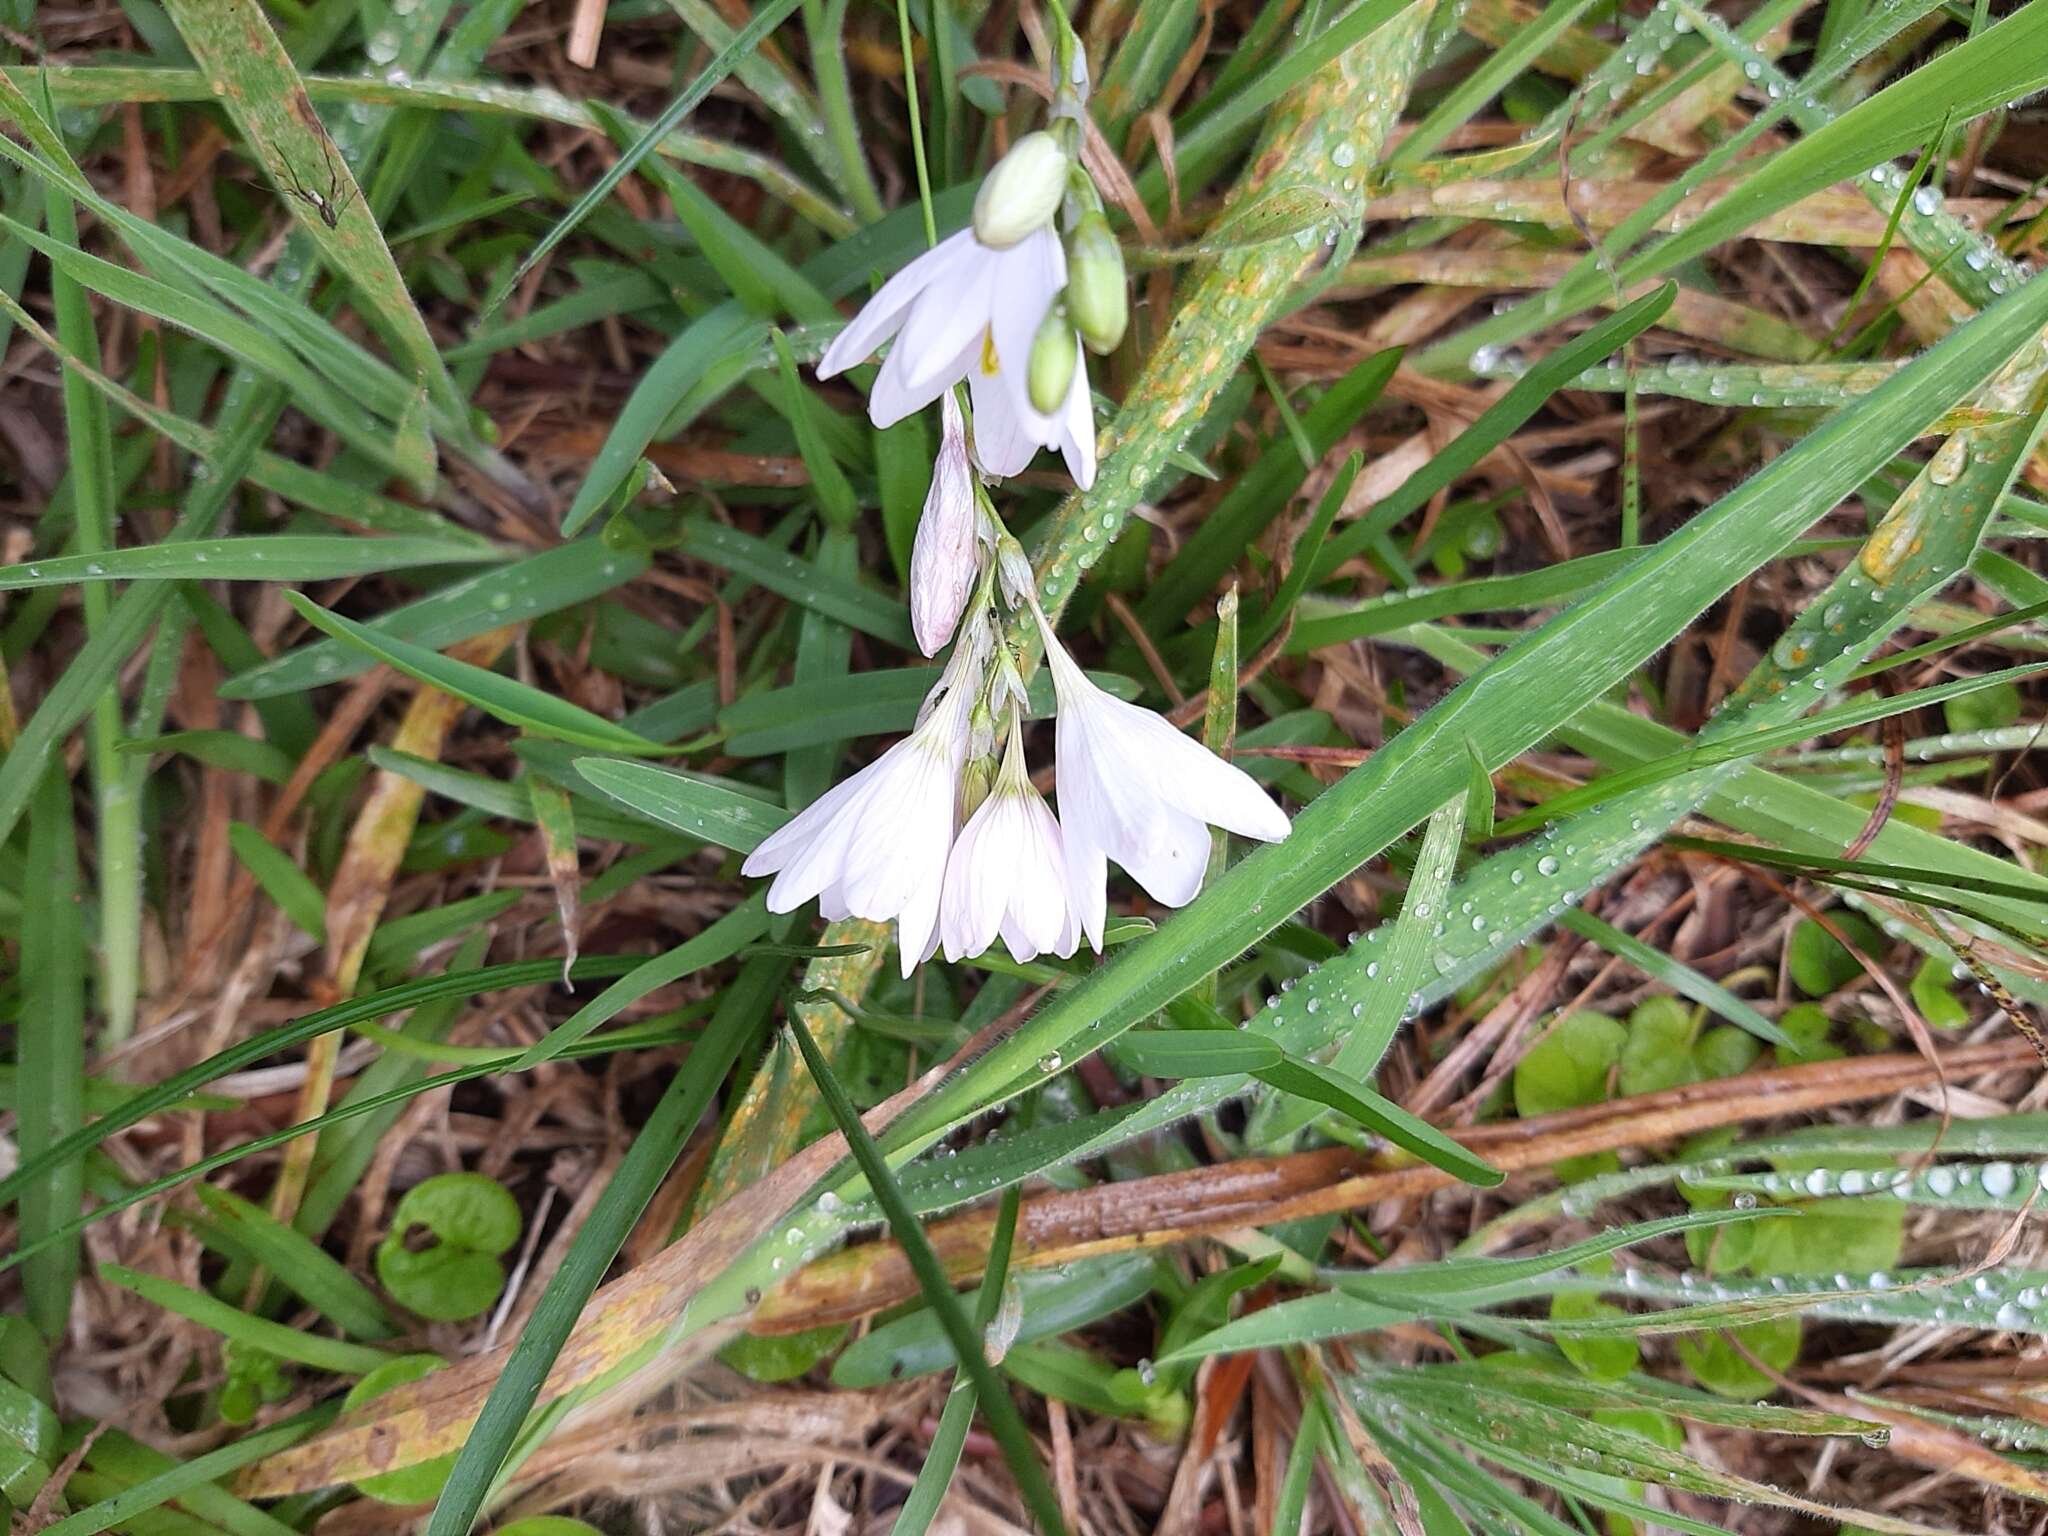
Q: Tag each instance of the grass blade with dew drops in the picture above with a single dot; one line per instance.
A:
(1382, 1008)
(1004, 1422)
(255, 81)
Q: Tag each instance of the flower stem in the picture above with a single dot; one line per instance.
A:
(924, 175)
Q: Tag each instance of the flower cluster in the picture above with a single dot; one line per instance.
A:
(1006, 306)
(945, 833)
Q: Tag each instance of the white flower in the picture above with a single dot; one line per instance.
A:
(942, 563)
(876, 846)
(964, 310)
(1008, 873)
(1134, 789)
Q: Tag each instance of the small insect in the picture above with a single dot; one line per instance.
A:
(328, 206)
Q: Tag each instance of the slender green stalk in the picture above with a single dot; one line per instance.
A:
(917, 152)
(824, 24)
(996, 1406)
(118, 838)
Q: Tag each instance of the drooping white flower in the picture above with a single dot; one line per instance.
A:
(968, 311)
(1008, 873)
(1134, 789)
(942, 561)
(876, 846)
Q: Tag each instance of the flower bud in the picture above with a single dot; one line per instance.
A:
(1022, 192)
(1098, 299)
(1054, 357)
(977, 779)
(942, 561)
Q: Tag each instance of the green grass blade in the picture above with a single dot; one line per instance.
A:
(51, 1047)
(1003, 1419)
(728, 58)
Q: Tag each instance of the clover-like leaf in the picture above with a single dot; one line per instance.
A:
(1718, 1366)
(440, 1258)
(254, 1377)
(1816, 958)
(1572, 1066)
(1935, 997)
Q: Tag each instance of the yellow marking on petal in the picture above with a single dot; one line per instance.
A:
(988, 354)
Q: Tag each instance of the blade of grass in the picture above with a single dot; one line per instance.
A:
(51, 1046)
(727, 59)
(921, 1504)
(996, 1405)
(640, 1173)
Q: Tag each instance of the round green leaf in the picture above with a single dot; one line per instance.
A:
(548, 1525)
(1816, 959)
(1808, 1028)
(1715, 1365)
(1570, 1066)
(782, 1356)
(440, 1258)
(1935, 999)
(1725, 1051)
(1604, 1357)
(1658, 1052)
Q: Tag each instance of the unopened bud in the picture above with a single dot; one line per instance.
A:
(976, 780)
(1022, 192)
(1098, 296)
(942, 561)
(1054, 357)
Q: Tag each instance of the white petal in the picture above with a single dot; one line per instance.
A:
(1003, 444)
(882, 315)
(1077, 425)
(1027, 280)
(799, 841)
(916, 926)
(1170, 864)
(901, 841)
(1197, 781)
(895, 395)
(949, 318)
(973, 903)
(1087, 884)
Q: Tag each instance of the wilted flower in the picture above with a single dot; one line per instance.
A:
(1134, 789)
(1008, 873)
(942, 561)
(876, 846)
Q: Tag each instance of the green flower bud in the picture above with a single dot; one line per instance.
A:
(1022, 192)
(1054, 357)
(1098, 296)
